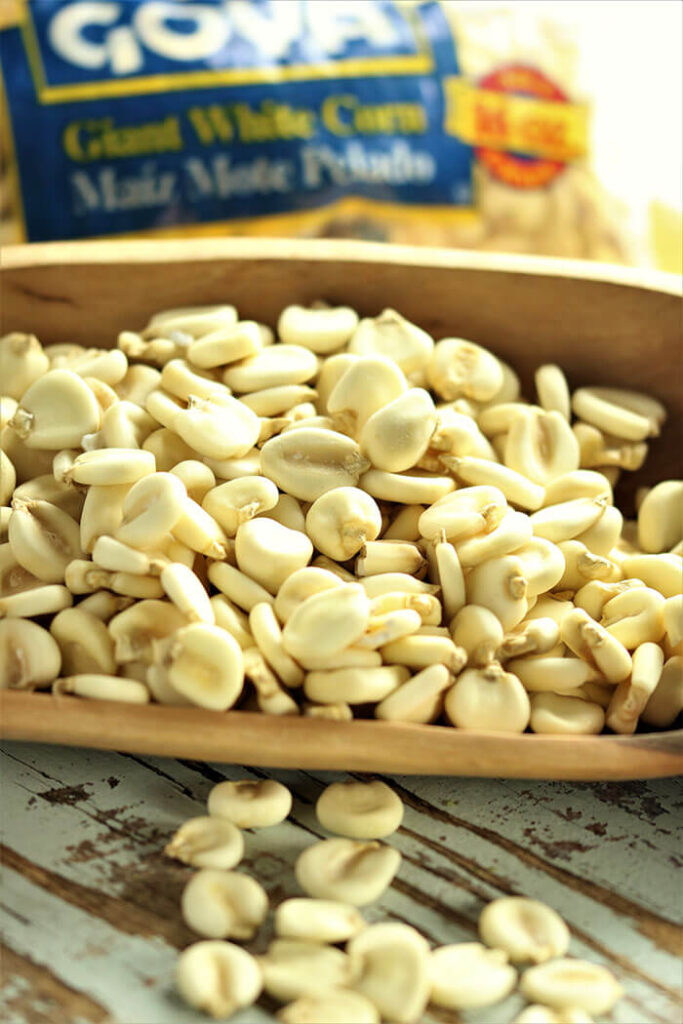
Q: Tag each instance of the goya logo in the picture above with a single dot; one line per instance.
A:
(124, 37)
(523, 127)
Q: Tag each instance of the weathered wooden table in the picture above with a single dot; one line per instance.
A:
(91, 925)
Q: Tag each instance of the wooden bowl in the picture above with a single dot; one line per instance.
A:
(602, 324)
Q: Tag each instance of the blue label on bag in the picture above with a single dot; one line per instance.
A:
(131, 115)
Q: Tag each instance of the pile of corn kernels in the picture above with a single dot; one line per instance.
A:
(346, 519)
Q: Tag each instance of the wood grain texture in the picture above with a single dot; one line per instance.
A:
(89, 897)
(242, 737)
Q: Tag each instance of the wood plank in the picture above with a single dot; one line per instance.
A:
(247, 738)
(29, 992)
(126, 806)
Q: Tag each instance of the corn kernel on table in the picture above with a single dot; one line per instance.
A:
(90, 905)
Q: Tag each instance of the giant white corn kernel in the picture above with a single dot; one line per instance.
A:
(29, 656)
(334, 712)
(231, 618)
(85, 643)
(598, 407)
(673, 624)
(8, 478)
(394, 337)
(419, 650)
(598, 450)
(581, 566)
(43, 538)
(305, 463)
(513, 530)
(572, 983)
(207, 842)
(293, 968)
(459, 368)
(489, 699)
(250, 804)
(414, 488)
(110, 466)
(219, 427)
(197, 530)
(192, 320)
(395, 437)
(568, 519)
(180, 381)
(660, 517)
(354, 685)
(112, 554)
(205, 665)
(552, 390)
(271, 698)
(543, 564)
(125, 425)
(321, 328)
(349, 657)
(94, 686)
(541, 446)
(384, 629)
(381, 556)
(196, 477)
(404, 525)
(268, 637)
(137, 383)
(602, 537)
(496, 418)
(186, 591)
(40, 600)
(301, 585)
(23, 362)
(237, 587)
(108, 366)
(274, 366)
(342, 520)
(464, 513)
(635, 616)
(137, 630)
(327, 622)
(500, 585)
(359, 810)
(268, 552)
(666, 703)
(556, 674)
(419, 699)
(104, 605)
(458, 435)
(365, 387)
(347, 870)
(313, 920)
(167, 448)
(565, 714)
(467, 975)
(218, 978)
(591, 641)
(392, 961)
(8, 407)
(663, 573)
(516, 487)
(631, 696)
(333, 1006)
(226, 345)
(55, 411)
(46, 488)
(527, 930)
(151, 508)
(479, 632)
(536, 636)
(582, 483)
(222, 904)
(237, 501)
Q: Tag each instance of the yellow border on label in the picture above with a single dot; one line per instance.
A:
(421, 63)
(12, 173)
(291, 223)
